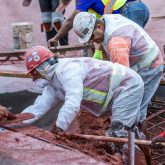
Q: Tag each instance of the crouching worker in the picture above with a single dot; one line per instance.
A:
(126, 43)
(85, 83)
(5, 114)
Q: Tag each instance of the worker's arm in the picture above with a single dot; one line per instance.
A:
(42, 104)
(66, 27)
(5, 114)
(119, 50)
(98, 54)
(72, 81)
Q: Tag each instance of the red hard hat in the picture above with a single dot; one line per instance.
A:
(35, 56)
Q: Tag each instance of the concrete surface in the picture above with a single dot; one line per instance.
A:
(19, 149)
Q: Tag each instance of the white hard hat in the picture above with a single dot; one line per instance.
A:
(83, 25)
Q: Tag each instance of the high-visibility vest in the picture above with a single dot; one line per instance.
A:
(101, 99)
(110, 6)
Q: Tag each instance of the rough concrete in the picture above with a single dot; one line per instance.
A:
(19, 149)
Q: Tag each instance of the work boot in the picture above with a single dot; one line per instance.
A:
(50, 34)
(120, 133)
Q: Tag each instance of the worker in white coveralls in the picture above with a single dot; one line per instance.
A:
(85, 83)
(126, 43)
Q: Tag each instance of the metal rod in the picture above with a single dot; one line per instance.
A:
(156, 114)
(131, 147)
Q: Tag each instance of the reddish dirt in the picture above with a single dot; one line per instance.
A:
(88, 124)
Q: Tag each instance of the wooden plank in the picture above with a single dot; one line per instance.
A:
(14, 74)
(21, 52)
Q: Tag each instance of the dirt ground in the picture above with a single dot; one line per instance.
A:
(12, 11)
(88, 124)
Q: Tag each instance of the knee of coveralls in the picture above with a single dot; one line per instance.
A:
(47, 19)
(151, 78)
(136, 11)
(46, 14)
(127, 100)
(57, 20)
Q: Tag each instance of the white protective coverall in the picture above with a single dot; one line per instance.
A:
(127, 43)
(93, 85)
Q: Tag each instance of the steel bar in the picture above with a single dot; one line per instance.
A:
(111, 139)
(158, 157)
(156, 114)
(158, 17)
(157, 125)
(21, 52)
(131, 147)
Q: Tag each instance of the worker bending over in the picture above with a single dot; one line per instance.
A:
(135, 10)
(87, 83)
(125, 43)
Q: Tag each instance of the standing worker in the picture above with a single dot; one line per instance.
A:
(135, 10)
(52, 20)
(85, 83)
(126, 43)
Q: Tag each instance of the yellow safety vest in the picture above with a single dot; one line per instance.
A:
(110, 6)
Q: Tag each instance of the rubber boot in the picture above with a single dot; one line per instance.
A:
(50, 34)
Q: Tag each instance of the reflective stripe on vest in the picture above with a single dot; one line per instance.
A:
(117, 77)
(94, 95)
(112, 5)
(147, 59)
(93, 12)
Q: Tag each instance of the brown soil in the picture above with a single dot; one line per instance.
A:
(88, 124)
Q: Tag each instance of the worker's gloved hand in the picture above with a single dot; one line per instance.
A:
(53, 42)
(4, 113)
(159, 138)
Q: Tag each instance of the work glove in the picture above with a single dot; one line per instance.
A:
(4, 113)
(159, 138)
